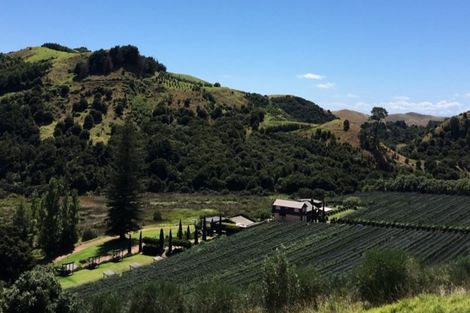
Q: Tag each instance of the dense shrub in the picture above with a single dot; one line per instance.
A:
(386, 275)
(38, 291)
(280, 284)
(158, 298)
(88, 234)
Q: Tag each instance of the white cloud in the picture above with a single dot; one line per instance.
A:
(352, 95)
(311, 76)
(467, 95)
(327, 85)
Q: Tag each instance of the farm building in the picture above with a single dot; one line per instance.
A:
(239, 220)
(292, 210)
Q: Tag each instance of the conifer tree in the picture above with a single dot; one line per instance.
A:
(129, 245)
(50, 219)
(188, 233)
(196, 234)
(23, 222)
(123, 194)
(69, 214)
(219, 229)
(162, 239)
(204, 229)
(170, 243)
(180, 231)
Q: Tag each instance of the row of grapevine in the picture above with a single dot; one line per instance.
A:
(332, 248)
(415, 209)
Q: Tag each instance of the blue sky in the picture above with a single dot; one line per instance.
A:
(404, 55)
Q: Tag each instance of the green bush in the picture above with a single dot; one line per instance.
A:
(215, 297)
(280, 284)
(109, 303)
(157, 216)
(386, 275)
(37, 291)
(88, 234)
(352, 202)
(157, 298)
(181, 243)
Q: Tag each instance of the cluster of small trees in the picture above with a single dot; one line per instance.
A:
(56, 46)
(302, 110)
(423, 184)
(103, 62)
(16, 74)
(50, 223)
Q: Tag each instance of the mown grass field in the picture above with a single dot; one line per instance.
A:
(414, 208)
(103, 245)
(87, 276)
(332, 248)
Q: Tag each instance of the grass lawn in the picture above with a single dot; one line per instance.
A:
(102, 248)
(43, 53)
(47, 131)
(85, 276)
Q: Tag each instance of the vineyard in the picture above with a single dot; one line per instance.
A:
(332, 248)
(414, 208)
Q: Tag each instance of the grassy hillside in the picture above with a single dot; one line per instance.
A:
(332, 248)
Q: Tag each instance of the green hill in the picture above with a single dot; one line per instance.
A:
(59, 108)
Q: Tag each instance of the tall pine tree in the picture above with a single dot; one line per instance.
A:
(123, 194)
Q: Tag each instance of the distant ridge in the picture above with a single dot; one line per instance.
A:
(410, 118)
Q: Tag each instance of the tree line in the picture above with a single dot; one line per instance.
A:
(103, 62)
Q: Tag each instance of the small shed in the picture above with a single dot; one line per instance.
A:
(241, 221)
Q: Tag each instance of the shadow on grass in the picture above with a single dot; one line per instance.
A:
(115, 244)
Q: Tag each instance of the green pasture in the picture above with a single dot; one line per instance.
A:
(85, 276)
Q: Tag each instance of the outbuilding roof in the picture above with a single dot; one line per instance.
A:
(241, 221)
(289, 203)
